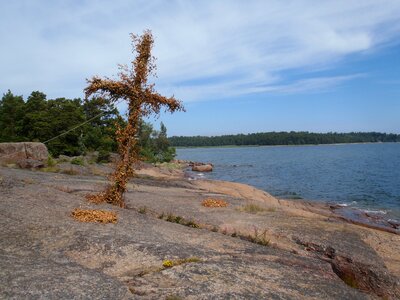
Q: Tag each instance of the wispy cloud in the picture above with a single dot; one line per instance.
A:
(227, 48)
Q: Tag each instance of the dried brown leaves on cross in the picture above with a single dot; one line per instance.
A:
(142, 100)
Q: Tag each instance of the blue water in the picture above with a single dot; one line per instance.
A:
(365, 176)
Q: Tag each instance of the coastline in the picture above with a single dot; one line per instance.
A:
(299, 145)
(353, 215)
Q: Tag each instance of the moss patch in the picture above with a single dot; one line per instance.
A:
(172, 263)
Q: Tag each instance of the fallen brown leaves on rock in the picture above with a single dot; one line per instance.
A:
(94, 215)
(95, 198)
(210, 202)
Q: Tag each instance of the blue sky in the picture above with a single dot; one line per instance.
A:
(238, 66)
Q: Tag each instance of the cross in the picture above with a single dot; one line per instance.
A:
(142, 100)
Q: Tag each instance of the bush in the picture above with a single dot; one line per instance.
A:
(77, 161)
(51, 162)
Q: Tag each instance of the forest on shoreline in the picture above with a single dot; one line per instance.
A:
(283, 138)
(74, 126)
(42, 119)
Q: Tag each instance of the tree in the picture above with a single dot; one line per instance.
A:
(154, 145)
(36, 125)
(100, 131)
(142, 101)
(64, 114)
(11, 114)
(145, 141)
(162, 149)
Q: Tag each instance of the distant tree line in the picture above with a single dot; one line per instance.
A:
(283, 138)
(41, 119)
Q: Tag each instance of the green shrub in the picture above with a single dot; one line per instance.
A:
(77, 161)
(51, 162)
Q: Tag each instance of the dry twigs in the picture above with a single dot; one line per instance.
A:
(210, 202)
(94, 215)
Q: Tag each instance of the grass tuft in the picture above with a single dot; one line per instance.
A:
(50, 169)
(179, 220)
(51, 162)
(142, 210)
(259, 237)
(254, 208)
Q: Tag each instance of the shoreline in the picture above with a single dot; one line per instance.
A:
(299, 145)
(354, 212)
(353, 215)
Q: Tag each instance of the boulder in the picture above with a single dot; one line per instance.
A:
(37, 151)
(202, 168)
(14, 152)
(30, 163)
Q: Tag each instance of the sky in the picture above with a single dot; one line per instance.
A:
(238, 66)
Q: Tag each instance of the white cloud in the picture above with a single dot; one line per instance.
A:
(227, 48)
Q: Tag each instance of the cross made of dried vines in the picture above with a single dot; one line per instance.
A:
(142, 101)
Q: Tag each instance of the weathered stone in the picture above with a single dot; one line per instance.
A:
(36, 151)
(125, 260)
(30, 163)
(13, 152)
(202, 168)
(366, 277)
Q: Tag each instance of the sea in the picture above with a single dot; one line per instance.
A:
(360, 176)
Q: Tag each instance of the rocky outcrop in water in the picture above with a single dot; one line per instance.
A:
(202, 168)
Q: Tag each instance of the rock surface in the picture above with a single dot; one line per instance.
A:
(202, 168)
(14, 152)
(46, 254)
(30, 163)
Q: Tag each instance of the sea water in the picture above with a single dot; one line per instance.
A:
(365, 176)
